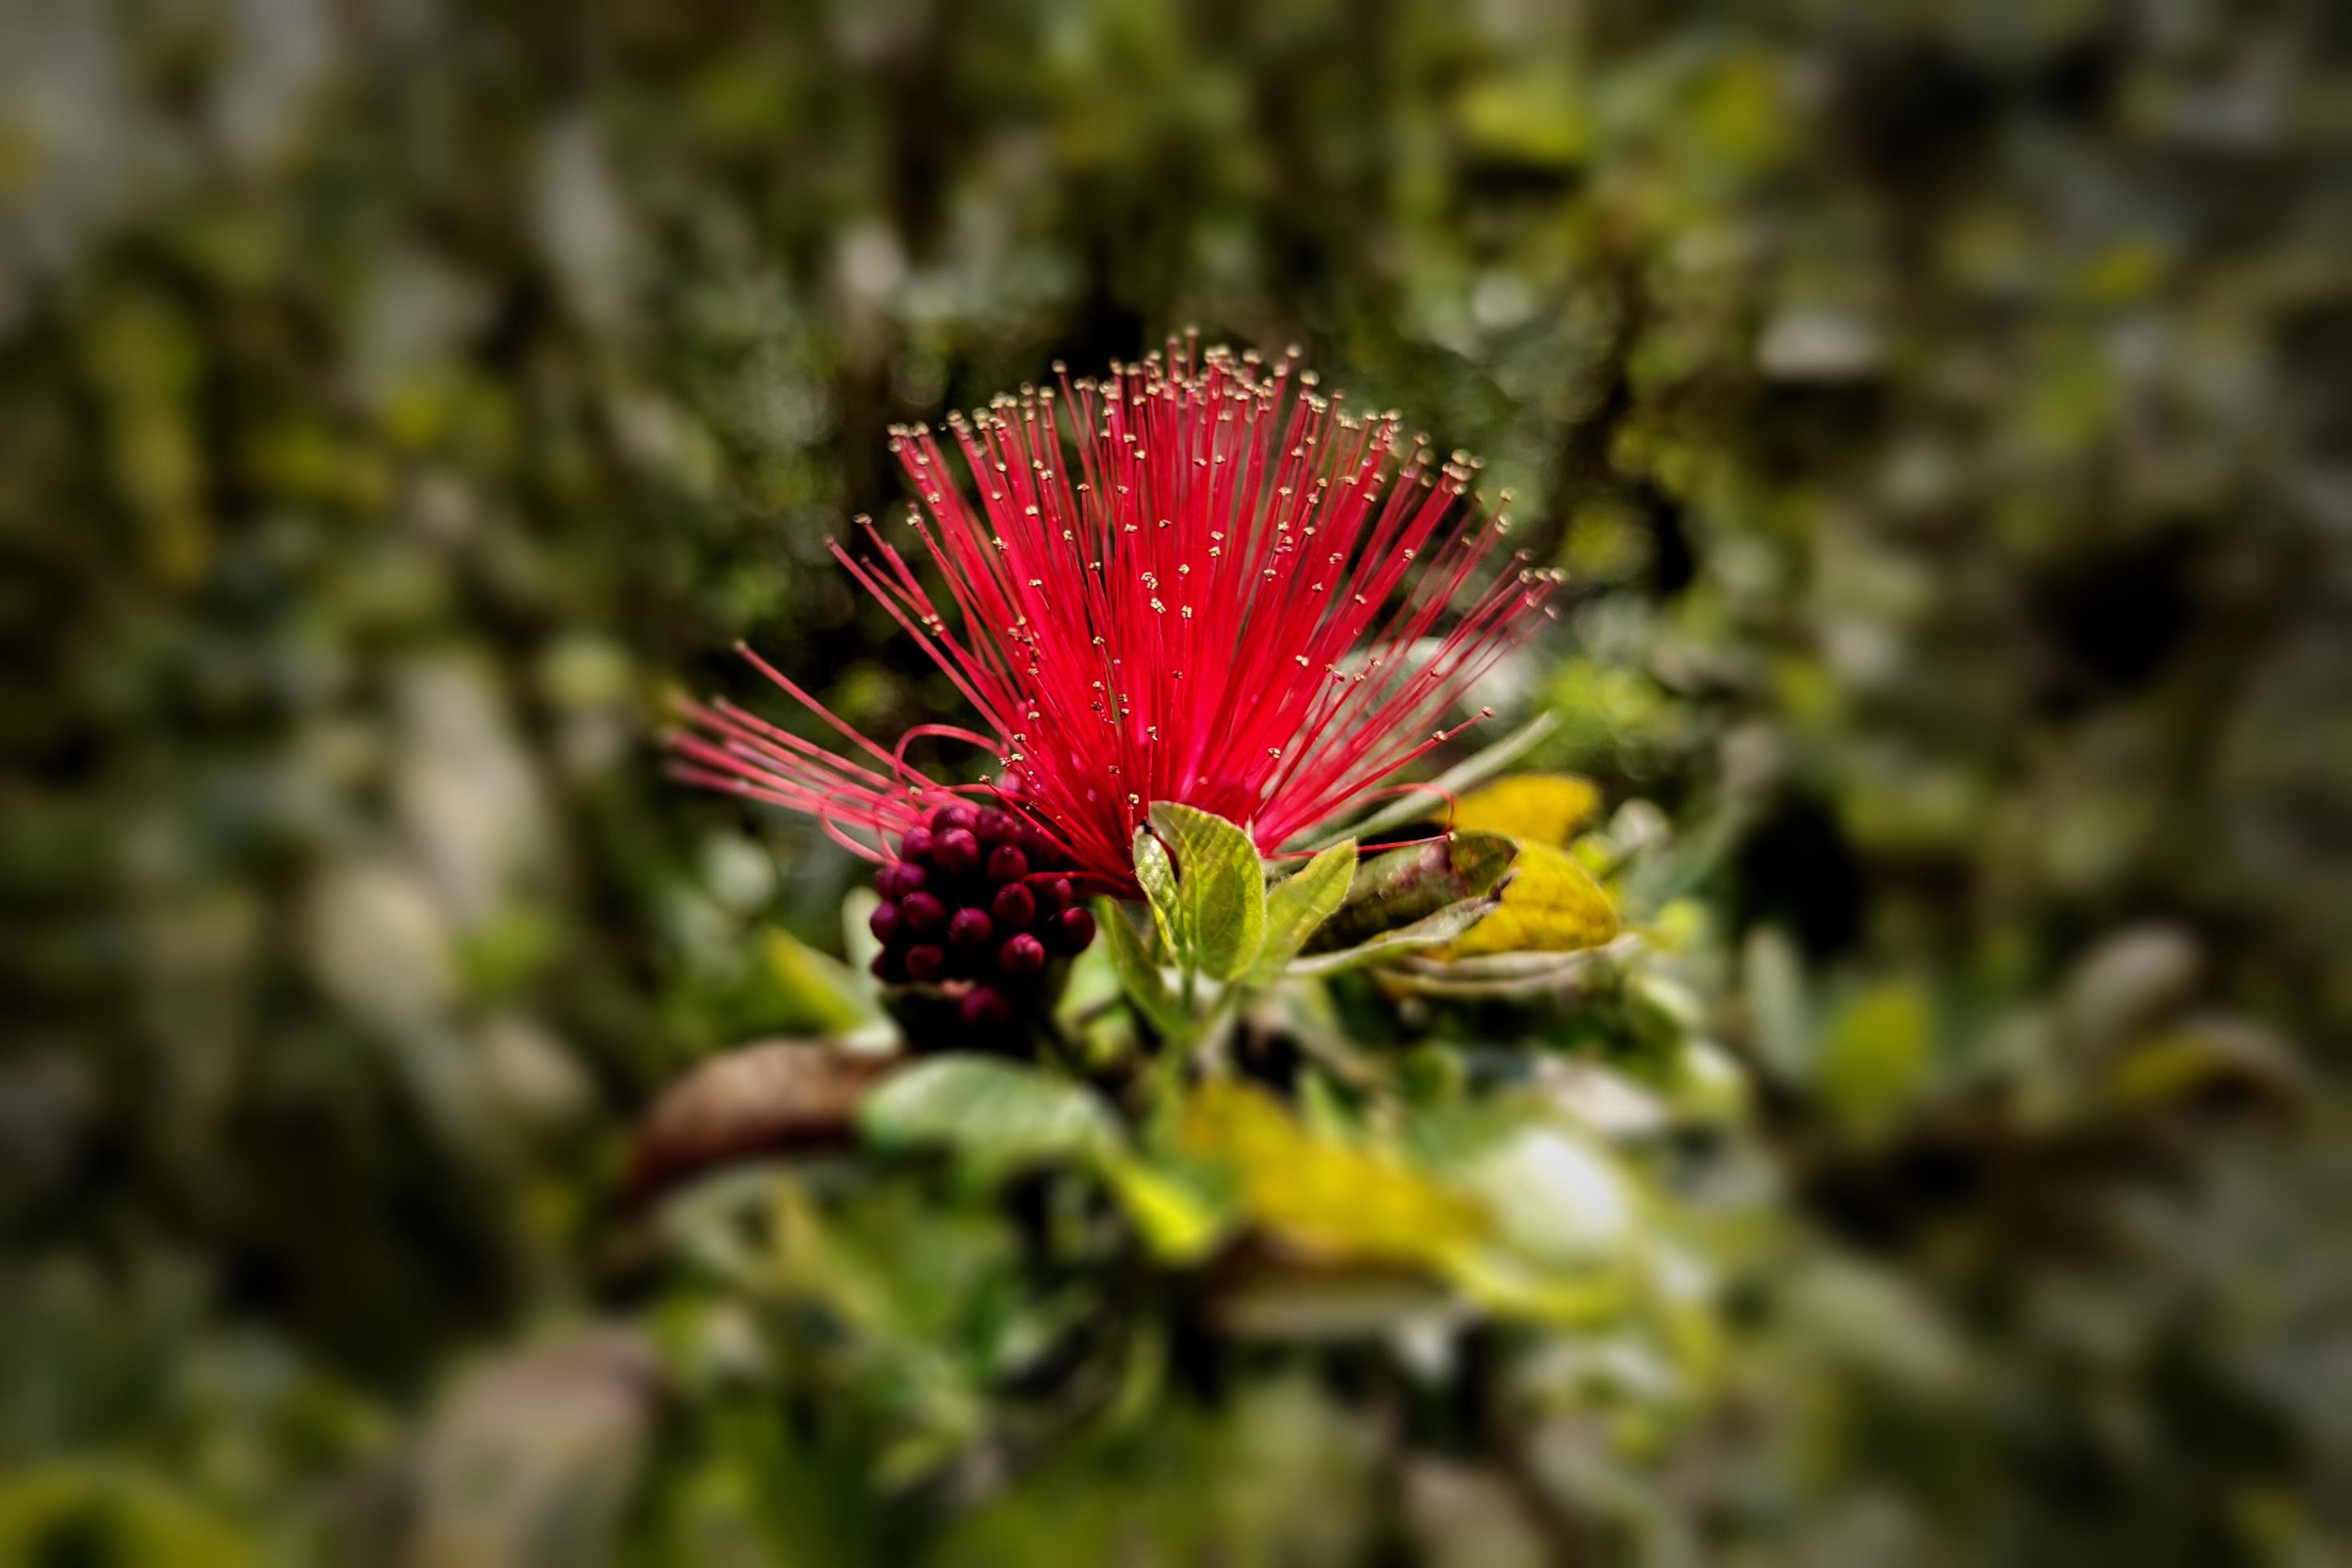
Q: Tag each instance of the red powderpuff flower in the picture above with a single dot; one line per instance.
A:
(1199, 579)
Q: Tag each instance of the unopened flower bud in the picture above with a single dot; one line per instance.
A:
(984, 1007)
(1014, 907)
(970, 928)
(1073, 929)
(957, 851)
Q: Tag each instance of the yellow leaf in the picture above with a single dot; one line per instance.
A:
(1503, 1283)
(1323, 1195)
(1177, 1223)
(1362, 1203)
(1535, 808)
(1550, 905)
(1534, 114)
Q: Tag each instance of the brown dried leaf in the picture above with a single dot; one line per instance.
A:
(770, 1099)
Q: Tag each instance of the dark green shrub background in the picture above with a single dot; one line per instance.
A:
(1943, 420)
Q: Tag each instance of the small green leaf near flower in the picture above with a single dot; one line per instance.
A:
(1402, 887)
(1297, 906)
(1444, 926)
(1138, 977)
(1221, 889)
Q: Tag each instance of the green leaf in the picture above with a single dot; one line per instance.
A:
(816, 986)
(1297, 905)
(1877, 1055)
(2209, 1057)
(1566, 1239)
(1708, 1084)
(1405, 886)
(1178, 1219)
(112, 1514)
(1430, 930)
(1138, 977)
(1094, 985)
(1158, 875)
(857, 934)
(1558, 1200)
(1529, 112)
(1463, 776)
(1877, 1322)
(997, 1115)
(1222, 884)
(1778, 1002)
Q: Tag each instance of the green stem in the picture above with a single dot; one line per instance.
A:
(1167, 1073)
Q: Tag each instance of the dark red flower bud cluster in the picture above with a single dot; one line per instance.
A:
(974, 895)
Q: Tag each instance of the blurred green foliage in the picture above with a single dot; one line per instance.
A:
(1940, 410)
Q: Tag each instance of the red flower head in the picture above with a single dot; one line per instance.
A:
(1195, 580)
